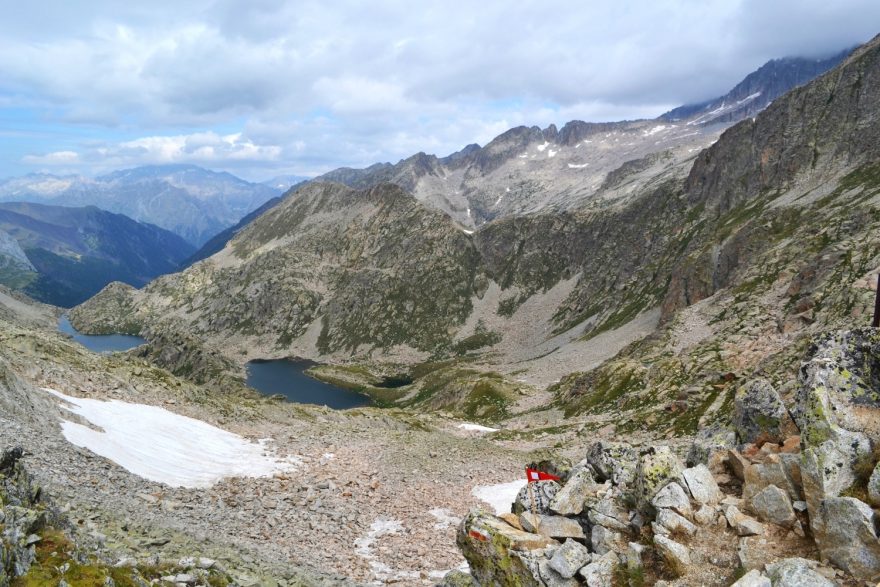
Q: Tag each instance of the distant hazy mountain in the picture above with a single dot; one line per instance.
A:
(192, 202)
(282, 183)
(65, 255)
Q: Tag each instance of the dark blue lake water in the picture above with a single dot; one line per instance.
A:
(104, 343)
(287, 377)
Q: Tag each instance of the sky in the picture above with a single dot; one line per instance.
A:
(268, 87)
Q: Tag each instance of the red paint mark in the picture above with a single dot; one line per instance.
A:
(477, 535)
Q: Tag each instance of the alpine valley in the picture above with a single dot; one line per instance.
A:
(667, 318)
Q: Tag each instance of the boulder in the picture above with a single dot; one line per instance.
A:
(677, 556)
(670, 523)
(605, 540)
(753, 578)
(737, 463)
(710, 446)
(772, 472)
(759, 415)
(829, 469)
(846, 534)
(840, 386)
(570, 499)
(614, 461)
(752, 552)
(706, 515)
(610, 513)
(600, 572)
(673, 496)
(874, 486)
(570, 558)
(702, 485)
(796, 572)
(492, 549)
(551, 578)
(742, 524)
(773, 505)
(456, 578)
(658, 466)
(552, 526)
(535, 497)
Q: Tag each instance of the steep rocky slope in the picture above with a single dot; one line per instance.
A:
(189, 201)
(72, 253)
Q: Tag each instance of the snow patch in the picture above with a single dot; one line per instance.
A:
(444, 518)
(576, 166)
(364, 548)
(749, 98)
(476, 427)
(544, 146)
(655, 130)
(551, 154)
(500, 496)
(466, 231)
(165, 447)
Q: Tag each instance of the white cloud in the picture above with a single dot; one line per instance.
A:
(313, 85)
(54, 158)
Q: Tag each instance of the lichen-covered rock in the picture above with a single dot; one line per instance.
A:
(702, 485)
(796, 572)
(668, 523)
(456, 578)
(615, 462)
(604, 539)
(489, 545)
(846, 534)
(840, 387)
(673, 496)
(759, 414)
(609, 512)
(677, 556)
(551, 577)
(658, 466)
(773, 505)
(569, 558)
(536, 497)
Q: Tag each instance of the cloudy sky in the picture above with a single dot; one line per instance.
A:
(265, 87)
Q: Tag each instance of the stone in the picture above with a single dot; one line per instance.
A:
(759, 415)
(536, 497)
(552, 526)
(702, 485)
(673, 496)
(772, 472)
(705, 515)
(846, 534)
(570, 499)
(551, 578)
(737, 463)
(569, 558)
(488, 544)
(677, 556)
(600, 572)
(511, 519)
(796, 572)
(604, 540)
(614, 461)
(742, 524)
(751, 552)
(773, 505)
(753, 578)
(874, 486)
(658, 466)
(609, 513)
(674, 523)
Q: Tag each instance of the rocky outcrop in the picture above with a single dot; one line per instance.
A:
(759, 414)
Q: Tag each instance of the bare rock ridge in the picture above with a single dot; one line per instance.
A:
(761, 508)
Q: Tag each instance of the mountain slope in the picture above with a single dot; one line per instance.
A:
(74, 252)
(192, 202)
(527, 170)
(777, 219)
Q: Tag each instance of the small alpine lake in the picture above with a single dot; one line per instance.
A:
(103, 343)
(287, 377)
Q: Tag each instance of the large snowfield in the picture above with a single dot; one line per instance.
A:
(165, 447)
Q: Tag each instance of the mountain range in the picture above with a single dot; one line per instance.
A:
(63, 256)
(382, 274)
(190, 201)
